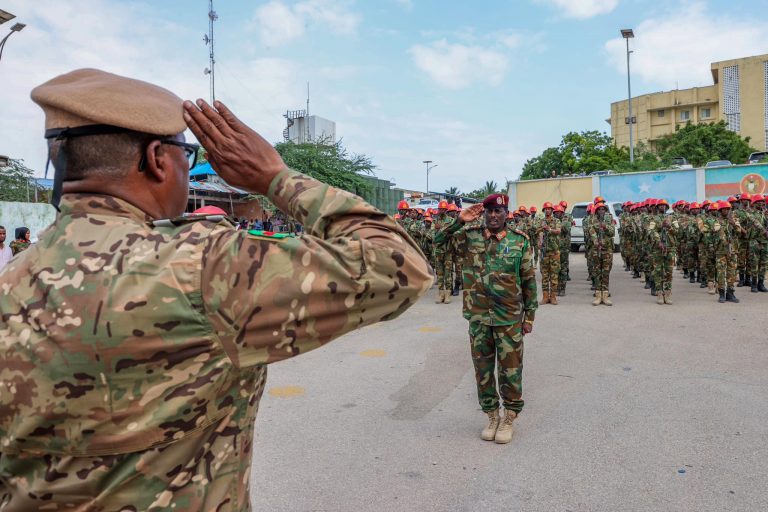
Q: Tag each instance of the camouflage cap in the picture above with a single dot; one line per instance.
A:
(93, 97)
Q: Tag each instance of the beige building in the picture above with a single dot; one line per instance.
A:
(739, 96)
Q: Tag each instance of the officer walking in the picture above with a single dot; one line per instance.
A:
(500, 302)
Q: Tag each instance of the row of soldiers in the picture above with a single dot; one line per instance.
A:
(550, 234)
(721, 245)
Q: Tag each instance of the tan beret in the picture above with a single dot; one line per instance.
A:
(90, 96)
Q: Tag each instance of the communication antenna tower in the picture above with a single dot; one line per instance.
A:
(208, 38)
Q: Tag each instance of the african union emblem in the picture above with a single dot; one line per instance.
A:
(752, 184)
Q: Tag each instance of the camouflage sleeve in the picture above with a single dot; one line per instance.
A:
(610, 230)
(528, 283)
(446, 232)
(269, 300)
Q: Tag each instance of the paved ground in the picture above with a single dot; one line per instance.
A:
(637, 407)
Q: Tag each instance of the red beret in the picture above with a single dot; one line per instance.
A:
(496, 200)
(209, 210)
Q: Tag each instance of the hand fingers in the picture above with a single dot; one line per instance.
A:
(214, 117)
(203, 129)
(230, 118)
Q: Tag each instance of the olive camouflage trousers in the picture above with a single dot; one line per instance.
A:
(550, 271)
(725, 269)
(602, 264)
(758, 259)
(662, 267)
(502, 344)
(444, 270)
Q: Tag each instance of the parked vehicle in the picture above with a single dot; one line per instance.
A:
(606, 172)
(680, 162)
(718, 163)
(758, 157)
(579, 211)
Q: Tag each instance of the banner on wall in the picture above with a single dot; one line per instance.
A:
(669, 185)
(724, 182)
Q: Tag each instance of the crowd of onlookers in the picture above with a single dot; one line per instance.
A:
(9, 249)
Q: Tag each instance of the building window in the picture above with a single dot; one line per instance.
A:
(706, 113)
(685, 115)
(660, 113)
(731, 98)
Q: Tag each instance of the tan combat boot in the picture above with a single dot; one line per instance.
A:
(553, 298)
(606, 299)
(711, 287)
(489, 432)
(660, 297)
(447, 297)
(440, 296)
(668, 297)
(505, 431)
(545, 297)
(598, 299)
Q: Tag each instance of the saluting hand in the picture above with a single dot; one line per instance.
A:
(237, 153)
(471, 214)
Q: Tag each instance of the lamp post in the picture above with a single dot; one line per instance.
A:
(17, 27)
(628, 34)
(429, 168)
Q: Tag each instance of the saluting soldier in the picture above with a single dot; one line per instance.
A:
(499, 303)
(135, 341)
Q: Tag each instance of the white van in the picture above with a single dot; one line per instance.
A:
(579, 211)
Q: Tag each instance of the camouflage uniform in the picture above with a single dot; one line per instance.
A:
(443, 255)
(758, 247)
(549, 245)
(743, 216)
(134, 352)
(18, 246)
(566, 223)
(726, 259)
(499, 294)
(662, 232)
(692, 240)
(601, 235)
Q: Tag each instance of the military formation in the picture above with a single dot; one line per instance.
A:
(719, 245)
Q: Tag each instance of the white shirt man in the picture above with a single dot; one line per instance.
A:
(5, 250)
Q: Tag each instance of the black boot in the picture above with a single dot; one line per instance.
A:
(692, 277)
(747, 280)
(761, 286)
(721, 300)
(636, 275)
(685, 273)
(703, 281)
(741, 280)
(754, 286)
(653, 287)
(730, 297)
(569, 277)
(647, 283)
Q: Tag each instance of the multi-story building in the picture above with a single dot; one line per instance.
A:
(739, 96)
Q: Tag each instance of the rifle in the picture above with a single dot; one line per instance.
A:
(544, 240)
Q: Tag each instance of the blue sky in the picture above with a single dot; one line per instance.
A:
(477, 87)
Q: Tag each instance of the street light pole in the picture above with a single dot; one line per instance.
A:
(628, 34)
(429, 168)
(17, 27)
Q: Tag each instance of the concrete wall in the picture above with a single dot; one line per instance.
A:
(35, 216)
(536, 192)
(669, 185)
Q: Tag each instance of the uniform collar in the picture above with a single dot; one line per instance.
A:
(498, 236)
(76, 204)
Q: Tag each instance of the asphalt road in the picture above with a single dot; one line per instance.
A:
(635, 407)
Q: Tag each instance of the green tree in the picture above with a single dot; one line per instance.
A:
(17, 182)
(542, 166)
(330, 163)
(701, 143)
(453, 191)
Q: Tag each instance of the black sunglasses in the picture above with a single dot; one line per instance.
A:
(190, 150)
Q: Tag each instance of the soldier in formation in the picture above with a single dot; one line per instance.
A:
(500, 302)
(566, 223)
(600, 232)
(548, 235)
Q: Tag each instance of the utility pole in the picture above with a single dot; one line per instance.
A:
(628, 34)
(5, 16)
(208, 38)
(429, 168)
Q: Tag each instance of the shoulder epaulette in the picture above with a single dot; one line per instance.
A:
(521, 233)
(186, 219)
(270, 234)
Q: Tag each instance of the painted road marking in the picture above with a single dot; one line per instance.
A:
(287, 391)
(374, 352)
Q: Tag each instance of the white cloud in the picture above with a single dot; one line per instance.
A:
(129, 40)
(667, 53)
(405, 4)
(455, 66)
(582, 9)
(279, 23)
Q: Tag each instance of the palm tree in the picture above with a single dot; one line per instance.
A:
(489, 188)
(453, 191)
